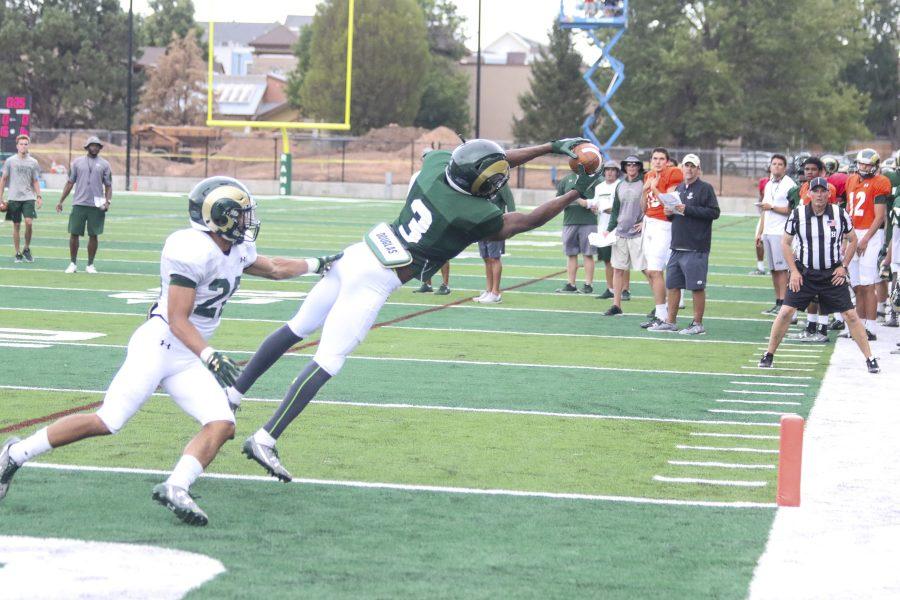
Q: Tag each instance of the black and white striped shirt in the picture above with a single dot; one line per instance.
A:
(818, 238)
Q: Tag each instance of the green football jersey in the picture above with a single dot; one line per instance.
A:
(438, 222)
(573, 213)
(893, 207)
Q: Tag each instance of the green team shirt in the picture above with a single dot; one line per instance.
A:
(437, 222)
(892, 216)
(573, 213)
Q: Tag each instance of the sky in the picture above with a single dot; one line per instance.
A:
(497, 16)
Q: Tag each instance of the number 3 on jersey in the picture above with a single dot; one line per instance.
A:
(223, 286)
(419, 224)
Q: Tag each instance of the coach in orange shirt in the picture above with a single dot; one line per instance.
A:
(657, 240)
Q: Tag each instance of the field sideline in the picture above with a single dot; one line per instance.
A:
(529, 449)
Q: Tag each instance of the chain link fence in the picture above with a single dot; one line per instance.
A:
(383, 156)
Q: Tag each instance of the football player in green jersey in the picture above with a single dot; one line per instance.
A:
(448, 207)
(891, 262)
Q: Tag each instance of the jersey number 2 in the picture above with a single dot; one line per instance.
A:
(419, 224)
(858, 201)
(208, 309)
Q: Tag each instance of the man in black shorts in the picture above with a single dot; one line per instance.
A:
(819, 269)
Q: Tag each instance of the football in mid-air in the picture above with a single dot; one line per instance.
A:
(588, 155)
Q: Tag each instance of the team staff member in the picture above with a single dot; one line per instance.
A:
(868, 193)
(22, 172)
(492, 251)
(775, 208)
(820, 269)
(691, 241)
(657, 236)
(578, 223)
(92, 179)
(602, 203)
(627, 220)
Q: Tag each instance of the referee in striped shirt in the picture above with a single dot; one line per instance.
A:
(819, 269)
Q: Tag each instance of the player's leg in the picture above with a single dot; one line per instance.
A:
(28, 229)
(133, 384)
(776, 335)
(496, 272)
(17, 239)
(656, 247)
(93, 243)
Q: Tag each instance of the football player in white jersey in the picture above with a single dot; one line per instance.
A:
(201, 268)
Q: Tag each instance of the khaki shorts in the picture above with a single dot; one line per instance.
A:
(91, 216)
(20, 208)
(627, 254)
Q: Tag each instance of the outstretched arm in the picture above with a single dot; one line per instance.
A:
(286, 268)
(520, 156)
(516, 222)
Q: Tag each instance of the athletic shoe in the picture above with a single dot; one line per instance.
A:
(892, 321)
(492, 299)
(587, 288)
(90, 269)
(442, 291)
(664, 327)
(267, 458)
(846, 335)
(425, 289)
(180, 502)
(480, 297)
(872, 337)
(567, 289)
(648, 324)
(879, 316)
(872, 365)
(8, 466)
(626, 295)
(811, 337)
(605, 295)
(71, 268)
(652, 313)
(18, 258)
(837, 326)
(613, 311)
(26, 254)
(757, 272)
(771, 311)
(694, 329)
(766, 361)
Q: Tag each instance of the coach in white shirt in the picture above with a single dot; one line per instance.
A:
(775, 208)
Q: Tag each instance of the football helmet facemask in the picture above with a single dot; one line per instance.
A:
(478, 168)
(224, 206)
(867, 162)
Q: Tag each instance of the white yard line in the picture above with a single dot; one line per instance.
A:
(790, 362)
(726, 449)
(765, 383)
(416, 488)
(755, 392)
(841, 542)
(729, 411)
(694, 480)
(741, 436)
(738, 401)
(719, 465)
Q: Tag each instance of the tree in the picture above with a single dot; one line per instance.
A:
(169, 17)
(446, 92)
(175, 93)
(390, 58)
(301, 49)
(70, 55)
(557, 102)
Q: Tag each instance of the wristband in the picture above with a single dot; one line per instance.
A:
(207, 353)
(312, 265)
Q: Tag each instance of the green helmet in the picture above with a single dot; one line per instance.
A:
(478, 168)
(224, 206)
(832, 164)
(889, 164)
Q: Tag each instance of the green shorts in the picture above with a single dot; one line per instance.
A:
(91, 216)
(604, 254)
(20, 208)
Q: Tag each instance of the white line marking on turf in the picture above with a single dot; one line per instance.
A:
(766, 383)
(701, 463)
(533, 413)
(694, 480)
(755, 392)
(718, 449)
(418, 488)
(780, 369)
(791, 362)
(794, 350)
(748, 412)
(742, 436)
(776, 402)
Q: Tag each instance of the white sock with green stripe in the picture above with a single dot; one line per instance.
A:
(302, 390)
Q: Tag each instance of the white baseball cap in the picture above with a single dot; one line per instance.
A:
(691, 158)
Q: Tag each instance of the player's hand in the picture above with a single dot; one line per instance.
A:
(225, 370)
(59, 208)
(105, 206)
(839, 277)
(584, 182)
(325, 263)
(40, 202)
(765, 206)
(796, 281)
(861, 247)
(565, 145)
(759, 241)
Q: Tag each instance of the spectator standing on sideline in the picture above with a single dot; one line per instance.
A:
(91, 177)
(657, 234)
(819, 269)
(775, 208)
(578, 223)
(627, 220)
(691, 241)
(22, 172)
(760, 250)
(492, 251)
(602, 207)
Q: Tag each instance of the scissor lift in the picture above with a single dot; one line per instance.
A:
(591, 16)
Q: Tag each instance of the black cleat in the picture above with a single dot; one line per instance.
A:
(26, 254)
(837, 326)
(626, 296)
(613, 311)
(442, 291)
(872, 337)
(425, 289)
(567, 289)
(266, 457)
(586, 288)
(180, 502)
(605, 295)
(648, 324)
(872, 365)
(766, 361)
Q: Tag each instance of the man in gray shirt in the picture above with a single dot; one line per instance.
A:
(92, 179)
(21, 172)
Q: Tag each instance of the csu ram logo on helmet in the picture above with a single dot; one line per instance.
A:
(478, 168)
(224, 206)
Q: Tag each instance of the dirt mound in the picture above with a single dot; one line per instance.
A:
(386, 139)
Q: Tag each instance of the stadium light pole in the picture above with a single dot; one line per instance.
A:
(478, 79)
(129, 96)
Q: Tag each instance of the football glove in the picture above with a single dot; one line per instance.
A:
(584, 182)
(225, 370)
(324, 263)
(565, 146)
